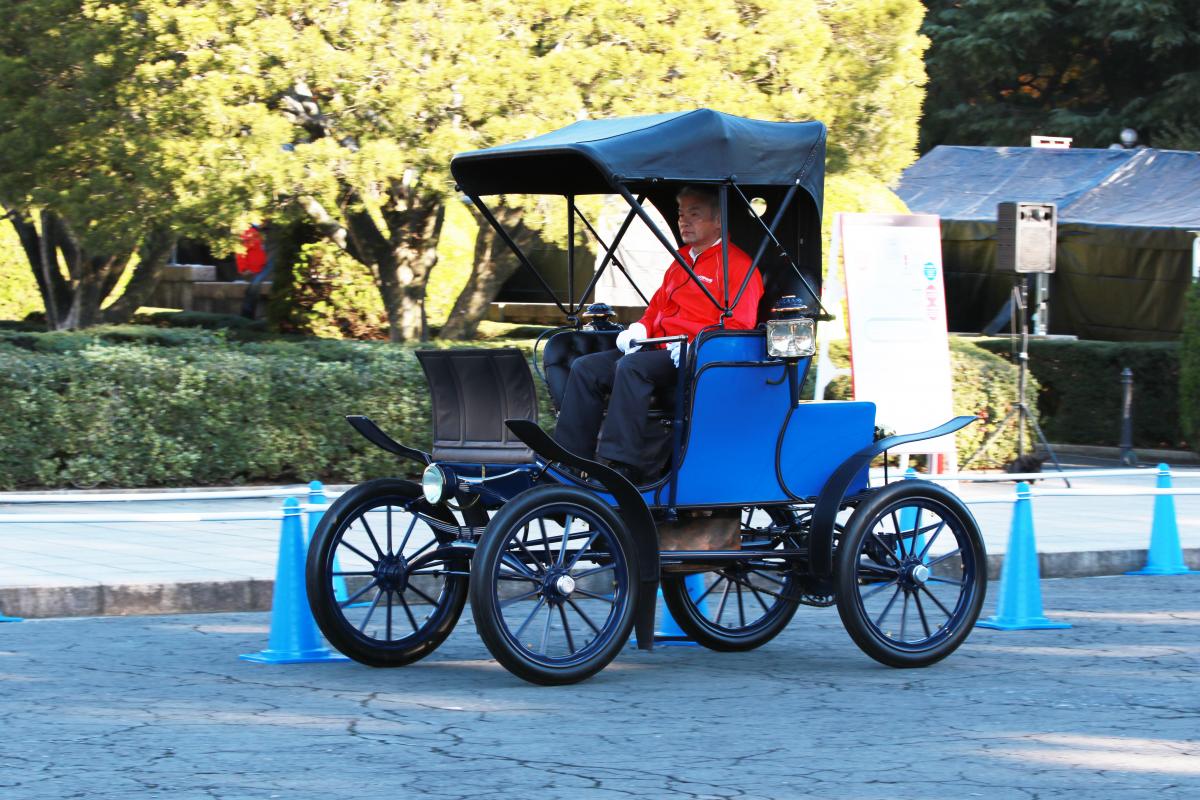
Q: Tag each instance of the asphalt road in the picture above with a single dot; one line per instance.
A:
(161, 707)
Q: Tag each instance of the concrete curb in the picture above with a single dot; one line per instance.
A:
(131, 599)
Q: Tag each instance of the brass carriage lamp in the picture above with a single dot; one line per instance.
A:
(791, 332)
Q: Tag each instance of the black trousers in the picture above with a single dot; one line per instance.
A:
(631, 381)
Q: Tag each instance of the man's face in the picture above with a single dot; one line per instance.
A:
(699, 222)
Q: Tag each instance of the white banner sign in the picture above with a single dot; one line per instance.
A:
(900, 352)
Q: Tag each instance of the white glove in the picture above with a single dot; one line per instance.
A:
(635, 331)
(673, 349)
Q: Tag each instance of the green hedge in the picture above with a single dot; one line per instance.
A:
(1080, 397)
(1189, 370)
(145, 407)
(985, 385)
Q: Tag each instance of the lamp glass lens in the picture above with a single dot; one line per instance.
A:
(790, 338)
(433, 484)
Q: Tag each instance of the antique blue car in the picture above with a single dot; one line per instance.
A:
(562, 557)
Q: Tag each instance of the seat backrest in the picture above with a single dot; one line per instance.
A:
(473, 391)
(563, 348)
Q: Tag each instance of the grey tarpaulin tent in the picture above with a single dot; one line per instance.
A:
(1124, 241)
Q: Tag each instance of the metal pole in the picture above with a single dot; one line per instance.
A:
(1022, 366)
(1128, 457)
(571, 254)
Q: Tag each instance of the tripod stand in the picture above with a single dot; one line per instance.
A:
(1020, 295)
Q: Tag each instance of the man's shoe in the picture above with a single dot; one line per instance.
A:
(626, 471)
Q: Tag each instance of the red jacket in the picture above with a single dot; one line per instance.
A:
(679, 306)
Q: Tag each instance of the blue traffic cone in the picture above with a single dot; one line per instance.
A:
(1019, 607)
(316, 497)
(4, 618)
(1165, 556)
(908, 520)
(294, 638)
(670, 634)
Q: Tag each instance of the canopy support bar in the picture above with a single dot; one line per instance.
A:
(771, 233)
(724, 194)
(487, 214)
(641, 212)
(571, 255)
(610, 253)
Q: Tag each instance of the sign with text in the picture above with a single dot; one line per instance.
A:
(896, 308)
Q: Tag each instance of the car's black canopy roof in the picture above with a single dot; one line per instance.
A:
(701, 146)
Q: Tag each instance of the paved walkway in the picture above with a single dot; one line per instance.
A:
(57, 569)
(144, 707)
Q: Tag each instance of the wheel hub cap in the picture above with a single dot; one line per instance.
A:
(565, 584)
(920, 574)
(392, 573)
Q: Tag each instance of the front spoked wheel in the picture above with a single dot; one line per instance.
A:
(911, 574)
(553, 585)
(744, 605)
(381, 583)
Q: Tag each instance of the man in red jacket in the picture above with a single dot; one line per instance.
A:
(631, 374)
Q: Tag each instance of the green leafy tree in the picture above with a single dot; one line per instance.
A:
(109, 149)
(1001, 71)
(854, 65)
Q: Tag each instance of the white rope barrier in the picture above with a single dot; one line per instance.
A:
(85, 519)
(982, 477)
(142, 497)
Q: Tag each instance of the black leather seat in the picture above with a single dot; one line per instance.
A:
(473, 392)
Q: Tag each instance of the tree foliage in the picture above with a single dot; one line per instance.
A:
(1001, 71)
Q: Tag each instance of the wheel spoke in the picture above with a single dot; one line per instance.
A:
(724, 597)
(935, 579)
(937, 530)
(562, 612)
(594, 596)
(877, 588)
(941, 558)
(741, 606)
(562, 550)
(886, 548)
(389, 615)
(586, 618)
(575, 559)
(514, 576)
(407, 533)
(933, 597)
(371, 535)
(360, 553)
(508, 602)
(363, 627)
(766, 609)
(359, 572)
(545, 540)
(877, 568)
(389, 528)
(899, 536)
(411, 619)
(921, 613)
(887, 608)
(424, 596)
(716, 580)
(512, 561)
(372, 584)
(903, 615)
(546, 632)
(595, 571)
(541, 602)
(525, 549)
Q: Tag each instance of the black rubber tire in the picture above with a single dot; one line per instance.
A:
(853, 574)
(553, 503)
(714, 636)
(327, 610)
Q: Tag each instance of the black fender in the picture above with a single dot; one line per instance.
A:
(630, 507)
(829, 501)
(375, 435)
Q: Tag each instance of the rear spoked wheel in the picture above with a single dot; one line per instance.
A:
(380, 585)
(745, 605)
(553, 585)
(911, 574)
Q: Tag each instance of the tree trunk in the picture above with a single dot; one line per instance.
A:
(152, 258)
(493, 264)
